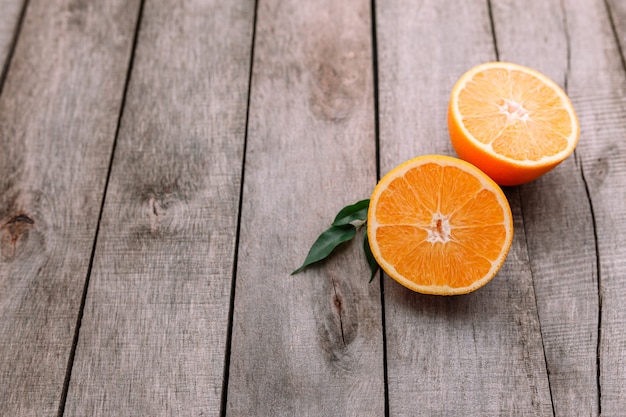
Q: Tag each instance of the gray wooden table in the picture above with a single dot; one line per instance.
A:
(164, 166)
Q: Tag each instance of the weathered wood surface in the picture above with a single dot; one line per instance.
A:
(9, 27)
(58, 115)
(154, 331)
(597, 86)
(309, 344)
(189, 308)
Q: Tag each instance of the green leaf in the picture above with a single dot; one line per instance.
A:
(355, 214)
(371, 261)
(326, 243)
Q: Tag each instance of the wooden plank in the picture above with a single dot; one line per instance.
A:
(479, 354)
(9, 21)
(58, 115)
(557, 220)
(153, 336)
(597, 86)
(309, 344)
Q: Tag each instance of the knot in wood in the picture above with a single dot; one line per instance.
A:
(12, 230)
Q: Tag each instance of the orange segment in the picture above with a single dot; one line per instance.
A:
(438, 225)
(512, 122)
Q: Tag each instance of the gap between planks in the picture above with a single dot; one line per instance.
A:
(231, 308)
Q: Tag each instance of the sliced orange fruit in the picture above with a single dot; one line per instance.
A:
(511, 121)
(438, 225)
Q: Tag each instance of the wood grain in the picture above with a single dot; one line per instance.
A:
(597, 86)
(9, 21)
(479, 354)
(154, 331)
(309, 344)
(58, 115)
(557, 221)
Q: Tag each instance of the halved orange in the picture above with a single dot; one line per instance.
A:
(511, 121)
(438, 225)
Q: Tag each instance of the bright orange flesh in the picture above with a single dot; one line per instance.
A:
(512, 122)
(438, 225)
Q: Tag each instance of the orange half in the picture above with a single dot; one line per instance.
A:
(438, 225)
(511, 121)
